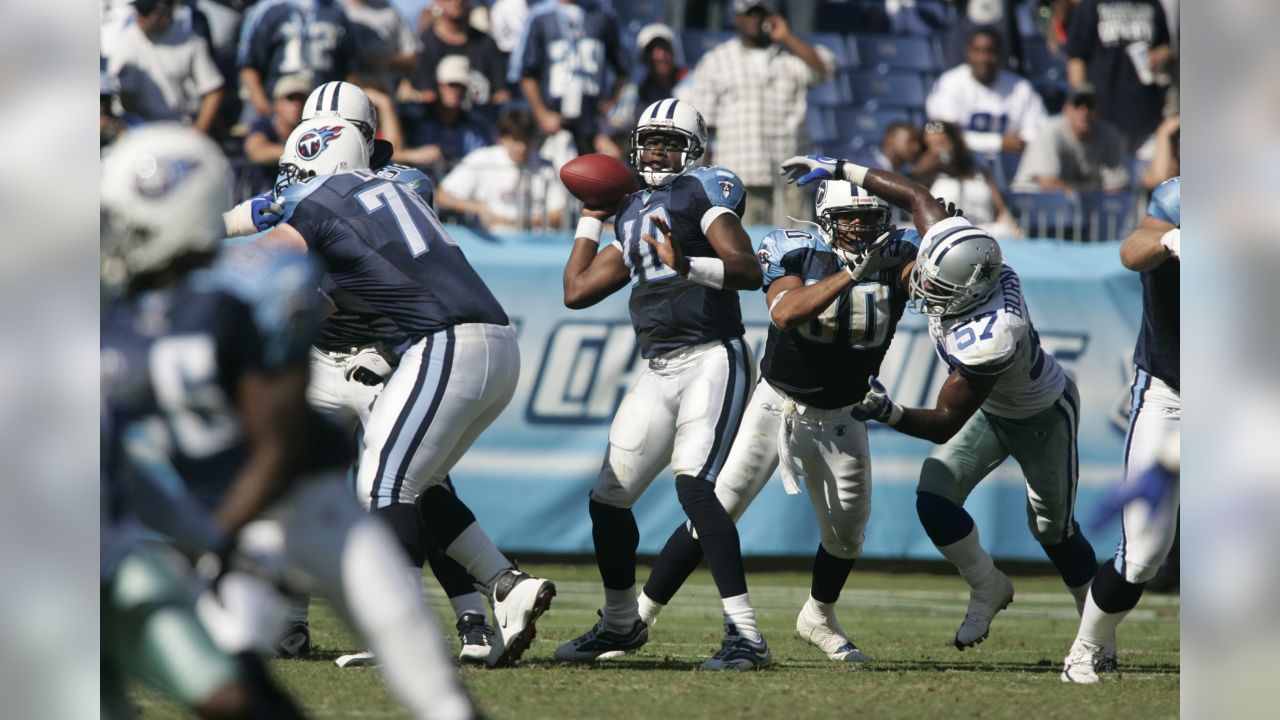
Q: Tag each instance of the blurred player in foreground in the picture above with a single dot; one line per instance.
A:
(1004, 396)
(682, 248)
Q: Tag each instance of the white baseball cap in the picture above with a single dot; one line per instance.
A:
(454, 69)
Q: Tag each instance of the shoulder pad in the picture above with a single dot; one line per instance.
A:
(903, 245)
(411, 176)
(986, 341)
(297, 192)
(781, 242)
(1166, 201)
(721, 186)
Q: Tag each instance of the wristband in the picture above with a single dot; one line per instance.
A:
(590, 228)
(707, 271)
(895, 415)
(238, 220)
(852, 172)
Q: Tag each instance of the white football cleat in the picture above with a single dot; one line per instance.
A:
(519, 599)
(827, 635)
(985, 600)
(1080, 667)
(360, 659)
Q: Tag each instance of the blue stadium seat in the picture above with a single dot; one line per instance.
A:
(833, 92)
(866, 126)
(838, 47)
(1106, 216)
(697, 42)
(897, 52)
(1003, 164)
(1043, 215)
(1040, 64)
(822, 128)
(895, 89)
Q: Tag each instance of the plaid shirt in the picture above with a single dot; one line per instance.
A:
(758, 119)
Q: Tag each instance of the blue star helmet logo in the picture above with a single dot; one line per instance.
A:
(159, 176)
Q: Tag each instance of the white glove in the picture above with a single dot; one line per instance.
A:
(1172, 241)
(877, 405)
(861, 266)
(253, 215)
(804, 169)
(367, 367)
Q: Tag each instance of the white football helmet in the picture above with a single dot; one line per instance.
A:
(955, 274)
(321, 146)
(347, 101)
(836, 200)
(163, 190)
(669, 116)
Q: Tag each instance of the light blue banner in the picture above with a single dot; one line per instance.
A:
(528, 476)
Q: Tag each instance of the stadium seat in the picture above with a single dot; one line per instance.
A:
(896, 52)
(838, 47)
(1043, 215)
(833, 92)
(696, 43)
(822, 128)
(895, 89)
(860, 127)
(1040, 64)
(1106, 216)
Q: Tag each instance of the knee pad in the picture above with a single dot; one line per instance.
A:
(944, 521)
(698, 498)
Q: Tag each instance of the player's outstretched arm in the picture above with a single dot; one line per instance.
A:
(896, 189)
(1150, 244)
(960, 397)
(592, 275)
(792, 303)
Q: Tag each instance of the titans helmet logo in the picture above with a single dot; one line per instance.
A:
(822, 193)
(158, 176)
(313, 142)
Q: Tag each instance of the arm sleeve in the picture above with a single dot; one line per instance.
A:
(813, 77)
(462, 180)
(255, 40)
(983, 358)
(1040, 159)
(615, 51)
(1031, 112)
(1083, 32)
(527, 58)
(406, 40)
(1161, 36)
(940, 105)
(718, 191)
(204, 73)
(1166, 202)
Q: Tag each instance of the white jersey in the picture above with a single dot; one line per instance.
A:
(1010, 104)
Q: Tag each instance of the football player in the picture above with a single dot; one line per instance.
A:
(834, 299)
(204, 355)
(1004, 396)
(355, 351)
(383, 244)
(681, 246)
(1155, 417)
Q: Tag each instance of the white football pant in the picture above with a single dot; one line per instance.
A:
(682, 411)
(346, 402)
(828, 447)
(1148, 532)
(447, 389)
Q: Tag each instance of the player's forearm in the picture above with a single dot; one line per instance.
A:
(801, 305)
(937, 425)
(532, 95)
(901, 192)
(742, 272)
(208, 111)
(579, 291)
(261, 151)
(1077, 71)
(1143, 250)
(252, 83)
(807, 54)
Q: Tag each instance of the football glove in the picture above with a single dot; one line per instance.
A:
(950, 207)
(877, 405)
(1172, 241)
(804, 169)
(265, 211)
(861, 266)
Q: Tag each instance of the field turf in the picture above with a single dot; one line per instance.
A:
(904, 621)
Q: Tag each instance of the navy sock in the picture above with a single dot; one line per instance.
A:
(616, 537)
(677, 561)
(1111, 592)
(829, 575)
(404, 521)
(1074, 558)
(944, 521)
(716, 532)
(453, 578)
(443, 513)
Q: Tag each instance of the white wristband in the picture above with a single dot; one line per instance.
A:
(590, 228)
(895, 415)
(707, 271)
(238, 220)
(1172, 241)
(855, 173)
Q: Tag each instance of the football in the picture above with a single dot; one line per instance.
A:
(599, 181)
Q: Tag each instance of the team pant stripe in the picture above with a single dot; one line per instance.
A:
(405, 411)
(1067, 406)
(446, 367)
(1137, 395)
(730, 409)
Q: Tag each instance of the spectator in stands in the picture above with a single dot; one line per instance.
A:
(661, 75)
(506, 22)
(289, 36)
(1166, 162)
(446, 132)
(451, 33)
(506, 186)
(110, 127)
(1077, 150)
(264, 144)
(900, 145)
(751, 91)
(999, 110)
(387, 46)
(950, 171)
(576, 43)
(997, 16)
(164, 71)
(1121, 47)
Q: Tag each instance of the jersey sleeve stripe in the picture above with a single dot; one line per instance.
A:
(990, 368)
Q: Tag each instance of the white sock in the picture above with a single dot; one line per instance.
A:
(742, 615)
(469, 603)
(1096, 626)
(476, 552)
(974, 564)
(620, 608)
(1080, 594)
(649, 609)
(821, 610)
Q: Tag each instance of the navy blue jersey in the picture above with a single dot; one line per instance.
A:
(382, 243)
(669, 311)
(172, 359)
(567, 49)
(282, 37)
(825, 363)
(1157, 349)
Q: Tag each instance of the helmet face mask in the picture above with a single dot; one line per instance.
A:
(672, 120)
(852, 221)
(957, 278)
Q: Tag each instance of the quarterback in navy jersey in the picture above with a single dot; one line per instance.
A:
(204, 360)
(1155, 417)
(681, 246)
(834, 298)
(1004, 395)
(382, 243)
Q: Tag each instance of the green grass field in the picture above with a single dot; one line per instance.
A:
(904, 621)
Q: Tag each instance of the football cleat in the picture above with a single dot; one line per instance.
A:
(602, 643)
(519, 599)
(827, 635)
(296, 641)
(1108, 661)
(360, 659)
(985, 600)
(738, 653)
(1080, 666)
(476, 637)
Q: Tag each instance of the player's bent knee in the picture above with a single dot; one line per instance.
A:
(938, 479)
(612, 495)
(1139, 574)
(843, 549)
(698, 498)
